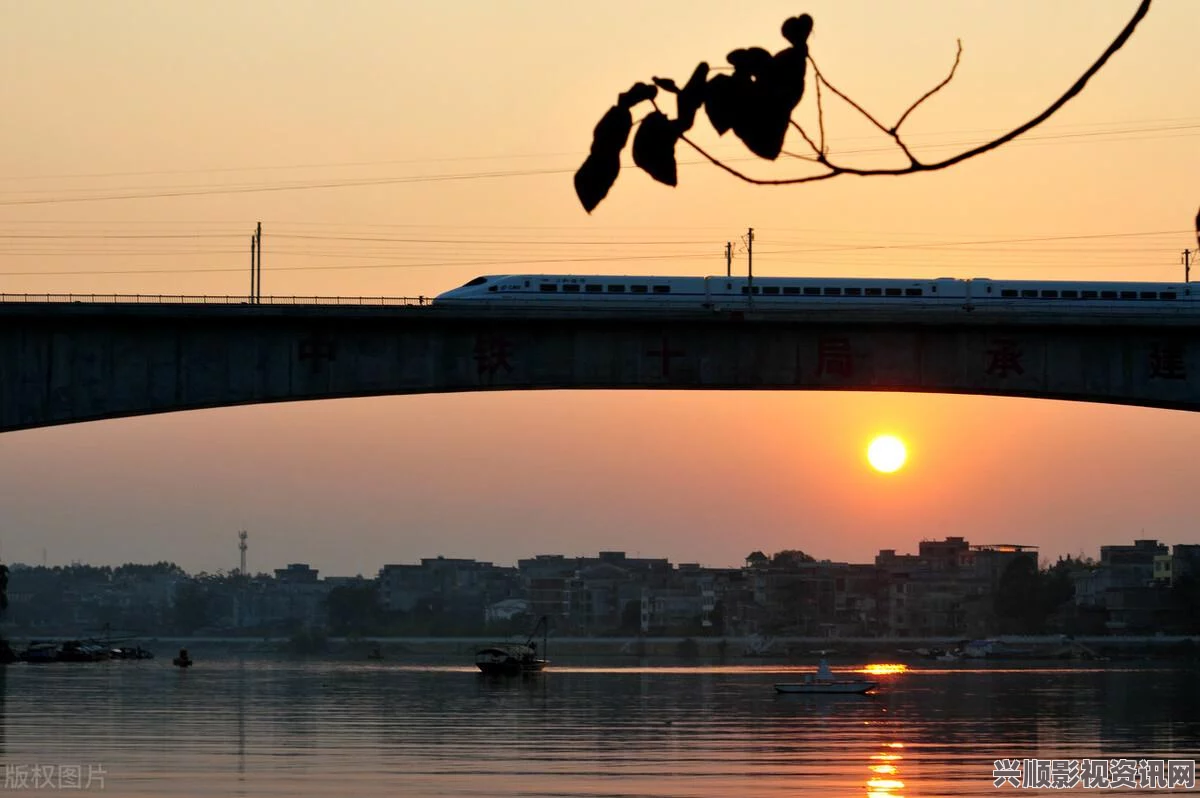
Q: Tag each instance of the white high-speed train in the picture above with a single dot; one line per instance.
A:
(550, 290)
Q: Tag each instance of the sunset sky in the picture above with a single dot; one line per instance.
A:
(402, 148)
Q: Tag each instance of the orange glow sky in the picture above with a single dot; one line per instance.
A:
(403, 148)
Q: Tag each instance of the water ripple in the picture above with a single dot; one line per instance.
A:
(262, 727)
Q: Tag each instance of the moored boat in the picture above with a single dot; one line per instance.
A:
(509, 660)
(826, 682)
(514, 659)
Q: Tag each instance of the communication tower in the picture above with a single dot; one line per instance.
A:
(242, 548)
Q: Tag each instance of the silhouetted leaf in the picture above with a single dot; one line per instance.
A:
(720, 103)
(636, 94)
(757, 100)
(692, 97)
(595, 178)
(747, 102)
(796, 30)
(654, 147)
(750, 61)
(666, 84)
(761, 127)
(612, 131)
(791, 62)
(600, 169)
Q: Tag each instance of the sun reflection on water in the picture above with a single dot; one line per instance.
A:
(884, 668)
(884, 788)
(885, 779)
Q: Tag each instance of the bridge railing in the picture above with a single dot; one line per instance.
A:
(208, 299)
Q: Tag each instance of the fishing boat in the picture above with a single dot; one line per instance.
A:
(825, 682)
(514, 659)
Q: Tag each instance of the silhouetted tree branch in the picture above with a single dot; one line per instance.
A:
(756, 102)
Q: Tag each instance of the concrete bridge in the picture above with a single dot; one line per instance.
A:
(65, 362)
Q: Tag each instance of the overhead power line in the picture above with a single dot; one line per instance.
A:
(1144, 125)
(161, 192)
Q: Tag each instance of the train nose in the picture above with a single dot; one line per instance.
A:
(467, 290)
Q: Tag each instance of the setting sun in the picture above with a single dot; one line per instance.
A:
(887, 453)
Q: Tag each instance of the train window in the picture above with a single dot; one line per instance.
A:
(526, 283)
(637, 289)
(853, 292)
(1108, 294)
(492, 288)
(874, 292)
(1069, 294)
(1028, 293)
(616, 289)
(771, 289)
(1088, 294)
(1049, 295)
(831, 291)
(893, 292)
(662, 289)
(746, 289)
(812, 290)
(1149, 295)
(476, 281)
(1167, 295)
(571, 288)
(548, 288)
(1008, 292)
(791, 290)
(1129, 295)
(913, 292)
(594, 288)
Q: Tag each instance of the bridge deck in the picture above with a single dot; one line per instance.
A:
(416, 309)
(68, 361)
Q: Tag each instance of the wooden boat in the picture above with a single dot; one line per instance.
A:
(826, 682)
(514, 659)
(509, 660)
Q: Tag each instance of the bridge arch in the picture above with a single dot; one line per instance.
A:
(70, 362)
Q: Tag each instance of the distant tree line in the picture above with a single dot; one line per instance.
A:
(1026, 597)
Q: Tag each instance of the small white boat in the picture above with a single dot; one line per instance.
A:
(826, 682)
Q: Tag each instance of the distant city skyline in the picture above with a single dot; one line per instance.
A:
(251, 568)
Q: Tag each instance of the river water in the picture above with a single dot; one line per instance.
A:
(234, 727)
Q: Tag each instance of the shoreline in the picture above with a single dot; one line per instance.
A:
(747, 651)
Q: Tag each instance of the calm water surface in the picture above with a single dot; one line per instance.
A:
(310, 728)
